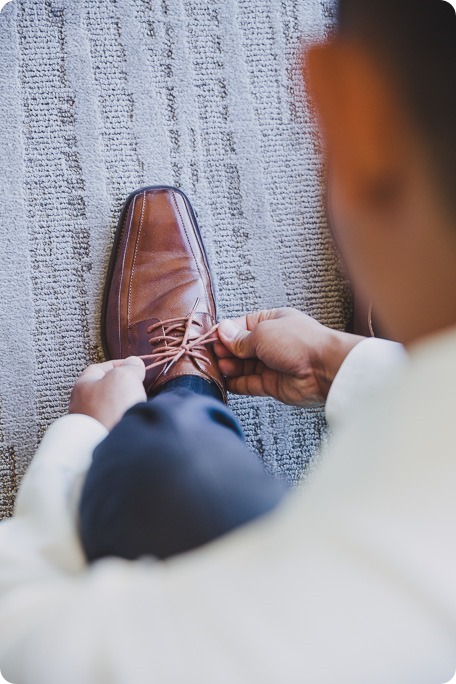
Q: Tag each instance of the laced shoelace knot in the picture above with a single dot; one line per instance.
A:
(176, 341)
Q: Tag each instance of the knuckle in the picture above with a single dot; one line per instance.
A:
(241, 348)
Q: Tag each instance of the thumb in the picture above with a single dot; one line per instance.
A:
(136, 366)
(240, 342)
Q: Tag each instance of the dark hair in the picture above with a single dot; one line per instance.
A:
(416, 40)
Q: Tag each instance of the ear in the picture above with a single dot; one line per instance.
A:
(358, 110)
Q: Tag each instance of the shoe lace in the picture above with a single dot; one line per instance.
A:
(176, 341)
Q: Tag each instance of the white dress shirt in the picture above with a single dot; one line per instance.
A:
(351, 581)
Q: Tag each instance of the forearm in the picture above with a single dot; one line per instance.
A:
(40, 551)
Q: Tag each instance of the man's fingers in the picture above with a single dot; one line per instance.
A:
(131, 369)
(251, 320)
(238, 335)
(136, 366)
(233, 368)
(251, 385)
(97, 371)
(238, 341)
(221, 351)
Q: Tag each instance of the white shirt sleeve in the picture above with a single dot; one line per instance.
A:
(43, 531)
(39, 546)
(367, 367)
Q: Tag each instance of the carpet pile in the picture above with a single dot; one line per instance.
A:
(99, 98)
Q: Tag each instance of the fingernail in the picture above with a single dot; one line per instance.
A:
(229, 330)
(133, 361)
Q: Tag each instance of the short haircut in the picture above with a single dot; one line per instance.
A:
(416, 41)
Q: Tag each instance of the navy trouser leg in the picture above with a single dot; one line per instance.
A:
(174, 474)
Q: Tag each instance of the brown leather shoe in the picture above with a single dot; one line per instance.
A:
(159, 300)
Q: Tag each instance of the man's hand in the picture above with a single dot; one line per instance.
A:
(106, 391)
(282, 353)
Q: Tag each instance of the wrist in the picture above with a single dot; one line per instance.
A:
(332, 352)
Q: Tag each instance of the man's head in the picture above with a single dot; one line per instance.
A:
(385, 89)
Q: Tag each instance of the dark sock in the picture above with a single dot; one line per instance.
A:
(193, 383)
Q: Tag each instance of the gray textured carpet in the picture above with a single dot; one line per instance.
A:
(100, 97)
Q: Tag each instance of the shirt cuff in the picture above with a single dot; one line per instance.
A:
(367, 367)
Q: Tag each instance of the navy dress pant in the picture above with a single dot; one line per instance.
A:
(174, 474)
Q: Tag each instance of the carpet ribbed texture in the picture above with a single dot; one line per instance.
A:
(99, 98)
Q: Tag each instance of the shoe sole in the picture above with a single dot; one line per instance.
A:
(115, 250)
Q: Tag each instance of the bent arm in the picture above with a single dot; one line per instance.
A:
(332, 587)
(44, 526)
(41, 540)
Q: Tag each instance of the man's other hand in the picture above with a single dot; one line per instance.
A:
(105, 391)
(282, 353)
